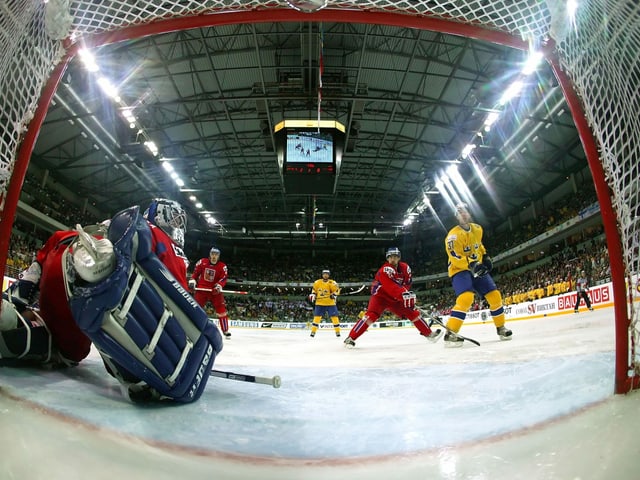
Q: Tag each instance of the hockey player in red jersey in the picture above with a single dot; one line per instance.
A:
(208, 280)
(43, 329)
(390, 290)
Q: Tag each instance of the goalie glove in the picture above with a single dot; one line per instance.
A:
(409, 299)
(192, 283)
(478, 269)
(93, 259)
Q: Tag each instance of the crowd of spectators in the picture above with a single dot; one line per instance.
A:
(287, 299)
(54, 205)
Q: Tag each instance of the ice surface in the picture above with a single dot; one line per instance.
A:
(394, 396)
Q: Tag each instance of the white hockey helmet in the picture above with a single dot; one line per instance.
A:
(215, 250)
(169, 216)
(327, 271)
(392, 251)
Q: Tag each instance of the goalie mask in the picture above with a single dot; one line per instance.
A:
(169, 216)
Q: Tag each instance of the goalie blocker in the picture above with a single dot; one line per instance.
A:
(153, 336)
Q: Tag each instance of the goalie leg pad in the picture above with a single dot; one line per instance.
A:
(144, 320)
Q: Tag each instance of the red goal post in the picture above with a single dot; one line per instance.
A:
(594, 57)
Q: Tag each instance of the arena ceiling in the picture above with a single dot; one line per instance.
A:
(210, 98)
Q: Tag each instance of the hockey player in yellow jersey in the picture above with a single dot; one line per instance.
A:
(469, 269)
(323, 294)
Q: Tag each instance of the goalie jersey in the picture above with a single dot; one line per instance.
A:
(151, 333)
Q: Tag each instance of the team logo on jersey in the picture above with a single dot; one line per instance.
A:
(390, 271)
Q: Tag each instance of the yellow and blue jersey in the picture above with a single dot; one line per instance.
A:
(463, 247)
(323, 290)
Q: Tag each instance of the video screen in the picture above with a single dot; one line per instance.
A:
(309, 147)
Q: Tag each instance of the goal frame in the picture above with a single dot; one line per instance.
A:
(625, 377)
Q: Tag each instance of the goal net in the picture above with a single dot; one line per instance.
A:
(594, 52)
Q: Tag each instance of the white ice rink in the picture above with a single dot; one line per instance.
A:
(396, 407)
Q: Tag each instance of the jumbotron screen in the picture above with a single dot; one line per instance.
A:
(309, 147)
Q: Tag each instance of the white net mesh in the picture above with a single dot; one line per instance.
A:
(26, 59)
(601, 56)
(599, 52)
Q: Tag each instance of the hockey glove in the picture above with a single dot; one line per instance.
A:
(333, 296)
(217, 289)
(478, 269)
(487, 262)
(312, 297)
(192, 284)
(409, 299)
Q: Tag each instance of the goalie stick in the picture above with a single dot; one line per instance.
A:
(235, 292)
(274, 381)
(437, 321)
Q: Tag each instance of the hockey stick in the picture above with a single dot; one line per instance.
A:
(235, 292)
(355, 291)
(437, 320)
(275, 381)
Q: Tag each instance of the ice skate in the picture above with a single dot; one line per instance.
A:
(451, 340)
(435, 335)
(591, 309)
(504, 333)
(313, 334)
(227, 334)
(337, 334)
(349, 343)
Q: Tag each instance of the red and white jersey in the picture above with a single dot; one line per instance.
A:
(66, 335)
(391, 282)
(208, 275)
(170, 254)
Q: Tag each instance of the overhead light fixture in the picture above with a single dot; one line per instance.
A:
(466, 151)
(531, 65)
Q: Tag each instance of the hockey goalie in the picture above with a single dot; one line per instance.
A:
(151, 334)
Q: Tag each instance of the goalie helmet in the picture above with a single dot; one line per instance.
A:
(392, 251)
(169, 216)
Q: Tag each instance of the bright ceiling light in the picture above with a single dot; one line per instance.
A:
(531, 65)
(88, 60)
(467, 150)
(512, 92)
(107, 87)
